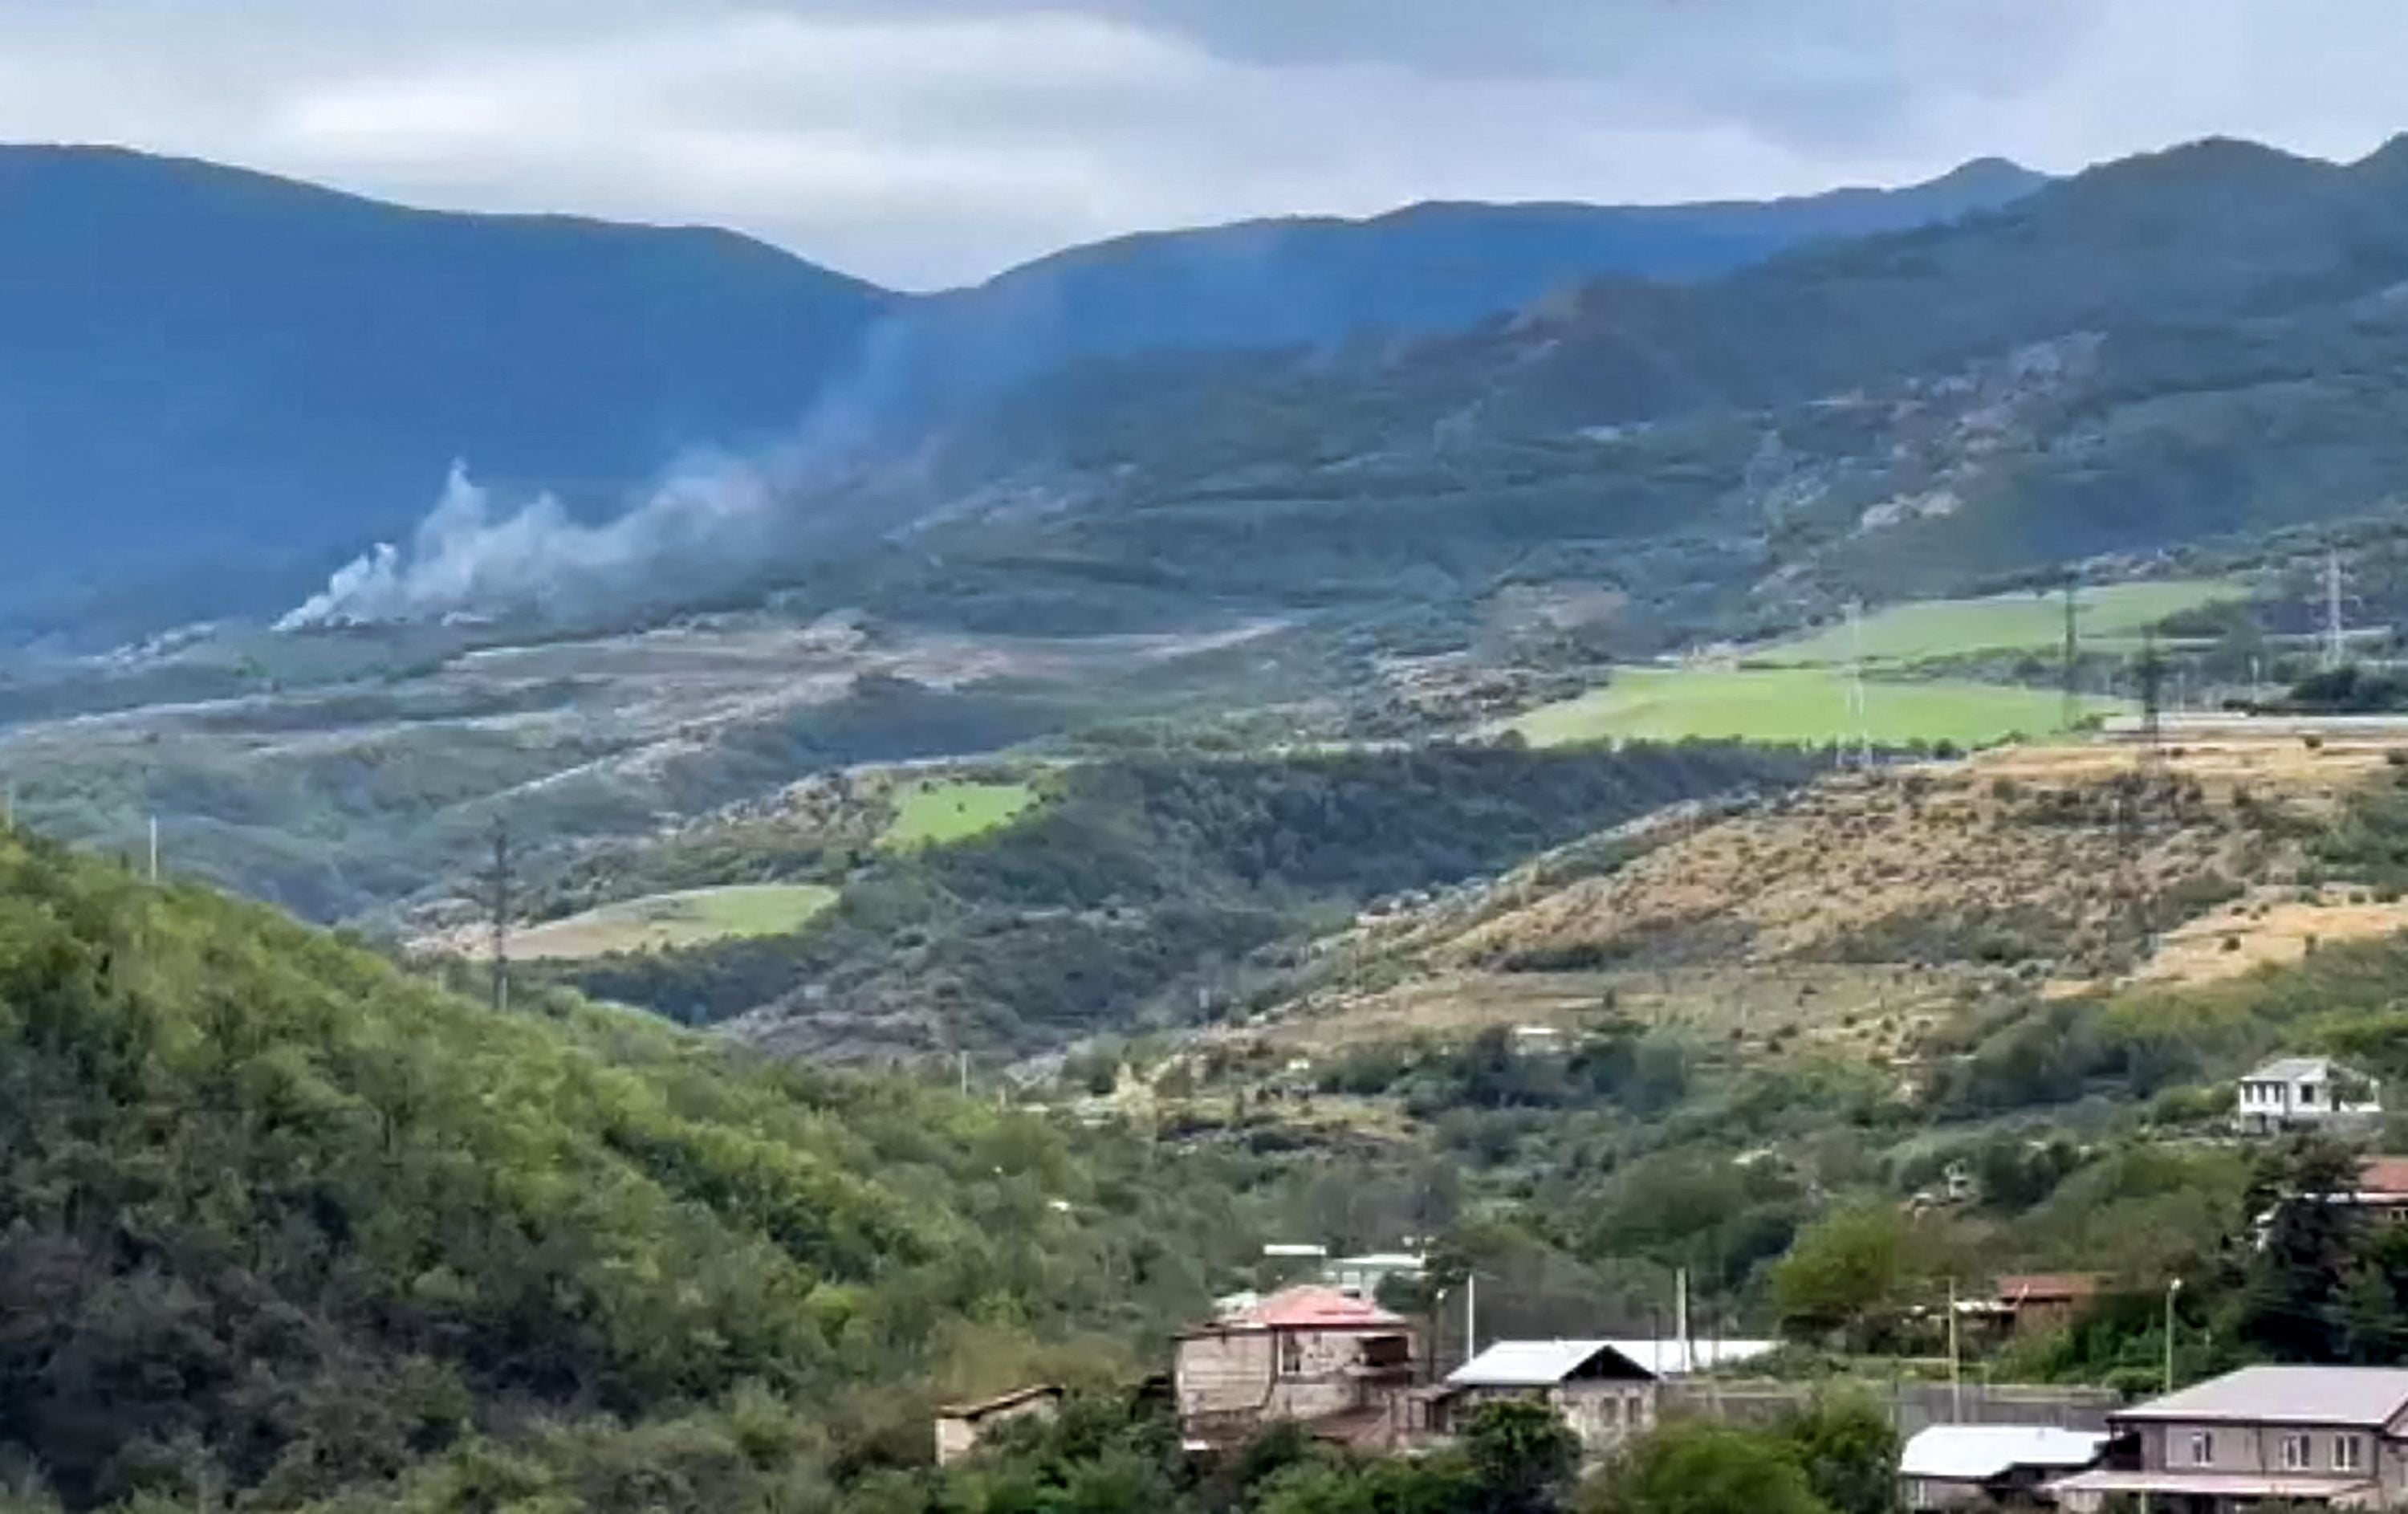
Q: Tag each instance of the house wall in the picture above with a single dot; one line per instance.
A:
(1602, 1414)
(1276, 1373)
(2243, 1447)
(1223, 1373)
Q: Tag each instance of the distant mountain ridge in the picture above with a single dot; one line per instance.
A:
(219, 384)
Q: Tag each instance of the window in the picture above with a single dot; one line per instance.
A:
(2307, 1093)
(2298, 1453)
(2202, 1449)
(1291, 1355)
(2349, 1453)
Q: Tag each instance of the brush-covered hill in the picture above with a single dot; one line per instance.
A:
(2203, 343)
(281, 1227)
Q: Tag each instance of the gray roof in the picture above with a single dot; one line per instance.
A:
(1978, 1452)
(2362, 1396)
(1532, 1363)
(2291, 1069)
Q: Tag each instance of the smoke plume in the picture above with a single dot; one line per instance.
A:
(470, 556)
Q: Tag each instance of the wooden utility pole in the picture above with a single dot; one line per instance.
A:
(501, 904)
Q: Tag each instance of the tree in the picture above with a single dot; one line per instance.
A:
(1844, 1272)
(2292, 1299)
(1697, 1468)
(1521, 1456)
(1849, 1449)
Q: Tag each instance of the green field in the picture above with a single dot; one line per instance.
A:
(664, 922)
(2002, 623)
(1793, 704)
(933, 812)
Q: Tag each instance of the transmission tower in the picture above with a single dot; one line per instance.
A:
(500, 882)
(1859, 725)
(2152, 673)
(2336, 642)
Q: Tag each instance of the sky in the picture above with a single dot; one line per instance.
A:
(930, 142)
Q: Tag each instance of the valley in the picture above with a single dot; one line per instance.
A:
(1776, 763)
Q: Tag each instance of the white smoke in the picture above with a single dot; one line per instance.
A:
(469, 557)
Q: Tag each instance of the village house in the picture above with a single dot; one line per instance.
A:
(1957, 1466)
(1601, 1396)
(2026, 1303)
(2306, 1093)
(2291, 1435)
(1340, 1365)
(960, 1427)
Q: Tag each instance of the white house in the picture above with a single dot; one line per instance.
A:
(2306, 1093)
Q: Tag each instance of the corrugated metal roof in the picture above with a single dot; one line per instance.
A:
(2291, 1069)
(2367, 1397)
(1671, 1359)
(2380, 1177)
(1978, 1452)
(2050, 1287)
(1532, 1363)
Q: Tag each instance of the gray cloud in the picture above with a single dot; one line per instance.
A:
(927, 141)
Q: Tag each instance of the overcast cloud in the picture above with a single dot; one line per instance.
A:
(923, 142)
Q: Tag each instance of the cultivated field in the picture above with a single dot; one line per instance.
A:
(934, 812)
(666, 922)
(2000, 622)
(1802, 704)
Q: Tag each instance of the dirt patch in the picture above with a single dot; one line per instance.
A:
(2263, 932)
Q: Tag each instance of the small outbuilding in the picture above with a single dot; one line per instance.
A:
(960, 1427)
(1957, 1466)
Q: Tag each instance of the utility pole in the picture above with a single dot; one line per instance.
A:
(501, 902)
(2172, 1289)
(1680, 1320)
(2071, 714)
(1955, 1373)
(965, 1073)
(154, 848)
(1471, 1314)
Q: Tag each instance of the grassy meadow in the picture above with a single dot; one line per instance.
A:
(932, 811)
(667, 922)
(1794, 705)
(2024, 622)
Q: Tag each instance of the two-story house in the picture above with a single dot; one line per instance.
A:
(2331, 1435)
(1340, 1365)
(2306, 1093)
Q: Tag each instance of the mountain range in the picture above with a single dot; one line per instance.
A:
(219, 384)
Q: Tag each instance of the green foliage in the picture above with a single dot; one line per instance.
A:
(1694, 1467)
(1521, 1455)
(1849, 1449)
(279, 1221)
(1854, 1271)
(1142, 888)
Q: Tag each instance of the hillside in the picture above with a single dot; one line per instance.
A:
(281, 1225)
(2194, 346)
(217, 384)
(220, 384)
(1856, 908)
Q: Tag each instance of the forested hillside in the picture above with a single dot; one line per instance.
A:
(1148, 890)
(279, 1225)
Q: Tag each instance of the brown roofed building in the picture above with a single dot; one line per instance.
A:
(1310, 1353)
(2046, 1300)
